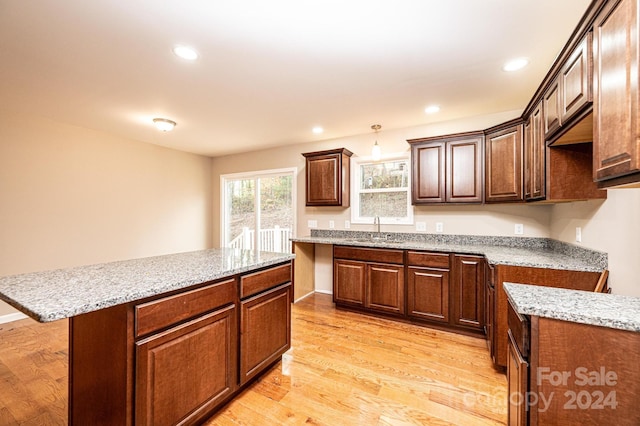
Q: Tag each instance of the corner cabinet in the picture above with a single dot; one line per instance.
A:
(447, 169)
(327, 177)
(616, 129)
(503, 163)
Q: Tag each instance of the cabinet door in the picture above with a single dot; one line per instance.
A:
(385, 288)
(551, 108)
(183, 373)
(428, 293)
(489, 310)
(503, 162)
(575, 80)
(348, 282)
(534, 156)
(616, 144)
(517, 383)
(428, 173)
(464, 182)
(323, 180)
(468, 291)
(265, 330)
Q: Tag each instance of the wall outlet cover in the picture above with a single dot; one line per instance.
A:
(347, 224)
(439, 227)
(421, 226)
(312, 223)
(578, 234)
(332, 224)
(518, 229)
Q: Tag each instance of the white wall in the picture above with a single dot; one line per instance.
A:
(71, 196)
(613, 226)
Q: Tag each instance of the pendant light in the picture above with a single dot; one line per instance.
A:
(375, 151)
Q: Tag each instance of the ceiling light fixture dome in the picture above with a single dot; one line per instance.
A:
(317, 130)
(432, 109)
(164, 124)
(185, 52)
(515, 64)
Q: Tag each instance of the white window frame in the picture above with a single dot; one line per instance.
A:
(255, 175)
(356, 190)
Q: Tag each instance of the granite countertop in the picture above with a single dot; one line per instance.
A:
(62, 293)
(601, 309)
(515, 251)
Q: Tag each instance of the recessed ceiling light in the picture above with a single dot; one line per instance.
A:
(164, 124)
(515, 64)
(432, 109)
(185, 52)
(317, 130)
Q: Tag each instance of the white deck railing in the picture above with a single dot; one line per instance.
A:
(274, 239)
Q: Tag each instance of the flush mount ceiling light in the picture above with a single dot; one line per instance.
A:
(375, 151)
(185, 52)
(515, 64)
(164, 124)
(432, 109)
(317, 130)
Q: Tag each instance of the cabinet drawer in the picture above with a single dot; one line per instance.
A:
(262, 280)
(369, 254)
(152, 316)
(431, 260)
(519, 326)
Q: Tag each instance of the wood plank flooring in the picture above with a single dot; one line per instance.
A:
(343, 369)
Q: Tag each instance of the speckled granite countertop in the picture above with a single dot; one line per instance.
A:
(515, 251)
(604, 310)
(51, 295)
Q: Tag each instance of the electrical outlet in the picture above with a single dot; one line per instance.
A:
(439, 227)
(332, 224)
(347, 224)
(519, 229)
(312, 223)
(421, 226)
(578, 234)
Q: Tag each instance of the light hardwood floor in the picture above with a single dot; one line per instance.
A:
(343, 369)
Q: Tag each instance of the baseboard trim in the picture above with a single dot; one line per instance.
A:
(303, 297)
(16, 316)
(324, 291)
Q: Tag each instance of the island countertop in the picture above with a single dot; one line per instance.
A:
(62, 293)
(601, 309)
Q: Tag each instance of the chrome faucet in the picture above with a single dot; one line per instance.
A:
(376, 222)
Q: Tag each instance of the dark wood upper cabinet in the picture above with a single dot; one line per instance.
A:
(327, 177)
(503, 163)
(616, 132)
(576, 80)
(447, 169)
(551, 108)
(534, 156)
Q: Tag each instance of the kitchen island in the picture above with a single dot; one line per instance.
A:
(573, 357)
(165, 339)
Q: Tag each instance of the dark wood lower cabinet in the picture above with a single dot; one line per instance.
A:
(426, 287)
(175, 358)
(468, 291)
(428, 293)
(349, 281)
(184, 372)
(264, 335)
(385, 288)
(518, 378)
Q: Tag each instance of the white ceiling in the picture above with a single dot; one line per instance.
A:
(271, 70)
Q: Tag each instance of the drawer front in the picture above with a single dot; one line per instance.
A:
(158, 314)
(519, 326)
(369, 254)
(262, 280)
(431, 260)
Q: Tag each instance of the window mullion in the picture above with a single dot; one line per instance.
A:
(256, 236)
